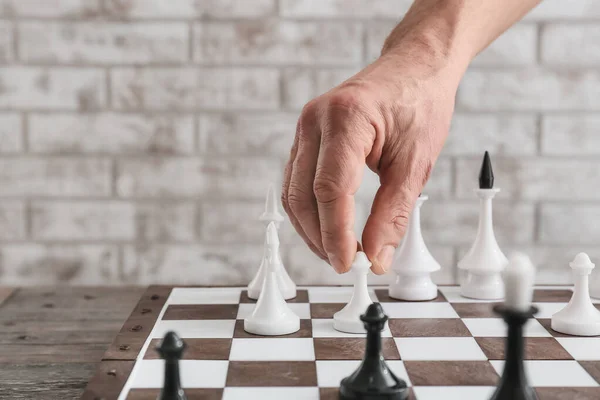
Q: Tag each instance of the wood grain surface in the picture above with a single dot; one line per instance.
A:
(52, 339)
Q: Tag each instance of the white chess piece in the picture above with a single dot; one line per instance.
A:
(271, 213)
(348, 318)
(287, 286)
(485, 261)
(413, 263)
(579, 317)
(519, 279)
(272, 315)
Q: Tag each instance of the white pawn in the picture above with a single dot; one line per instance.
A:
(579, 317)
(287, 286)
(272, 316)
(348, 318)
(484, 262)
(413, 263)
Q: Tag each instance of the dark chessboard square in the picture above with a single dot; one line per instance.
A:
(451, 373)
(191, 394)
(546, 323)
(334, 393)
(196, 349)
(304, 332)
(552, 295)
(592, 368)
(571, 393)
(301, 297)
(475, 310)
(536, 348)
(200, 311)
(325, 310)
(351, 348)
(384, 297)
(272, 373)
(435, 327)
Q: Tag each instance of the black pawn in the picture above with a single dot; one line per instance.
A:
(373, 379)
(171, 349)
(486, 174)
(513, 384)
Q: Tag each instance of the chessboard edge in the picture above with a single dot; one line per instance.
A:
(130, 339)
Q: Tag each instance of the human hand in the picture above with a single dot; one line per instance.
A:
(394, 116)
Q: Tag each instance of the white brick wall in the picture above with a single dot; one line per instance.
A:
(138, 137)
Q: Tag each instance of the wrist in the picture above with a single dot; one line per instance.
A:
(431, 39)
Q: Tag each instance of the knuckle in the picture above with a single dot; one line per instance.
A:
(348, 97)
(310, 109)
(326, 188)
(298, 200)
(399, 221)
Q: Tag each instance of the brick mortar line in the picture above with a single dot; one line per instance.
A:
(274, 111)
(154, 66)
(538, 48)
(272, 158)
(110, 18)
(108, 88)
(194, 65)
(550, 113)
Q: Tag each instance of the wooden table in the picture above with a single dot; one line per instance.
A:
(51, 339)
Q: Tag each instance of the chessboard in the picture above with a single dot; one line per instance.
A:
(451, 348)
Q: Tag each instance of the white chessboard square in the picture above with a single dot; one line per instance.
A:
(272, 349)
(331, 373)
(323, 328)
(546, 310)
(334, 294)
(452, 294)
(581, 348)
(439, 348)
(150, 374)
(557, 373)
(217, 328)
(302, 310)
(496, 327)
(454, 392)
(419, 310)
(271, 393)
(205, 296)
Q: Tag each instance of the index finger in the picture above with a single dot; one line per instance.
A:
(338, 175)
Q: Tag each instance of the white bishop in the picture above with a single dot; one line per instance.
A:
(272, 315)
(287, 286)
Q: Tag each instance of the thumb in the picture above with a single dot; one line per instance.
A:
(401, 183)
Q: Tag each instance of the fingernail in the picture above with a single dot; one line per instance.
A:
(384, 258)
(335, 262)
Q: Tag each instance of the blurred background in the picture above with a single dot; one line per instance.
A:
(138, 137)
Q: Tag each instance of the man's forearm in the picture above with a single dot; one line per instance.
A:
(455, 30)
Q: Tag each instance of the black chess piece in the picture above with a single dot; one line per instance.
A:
(171, 349)
(486, 174)
(373, 380)
(513, 384)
